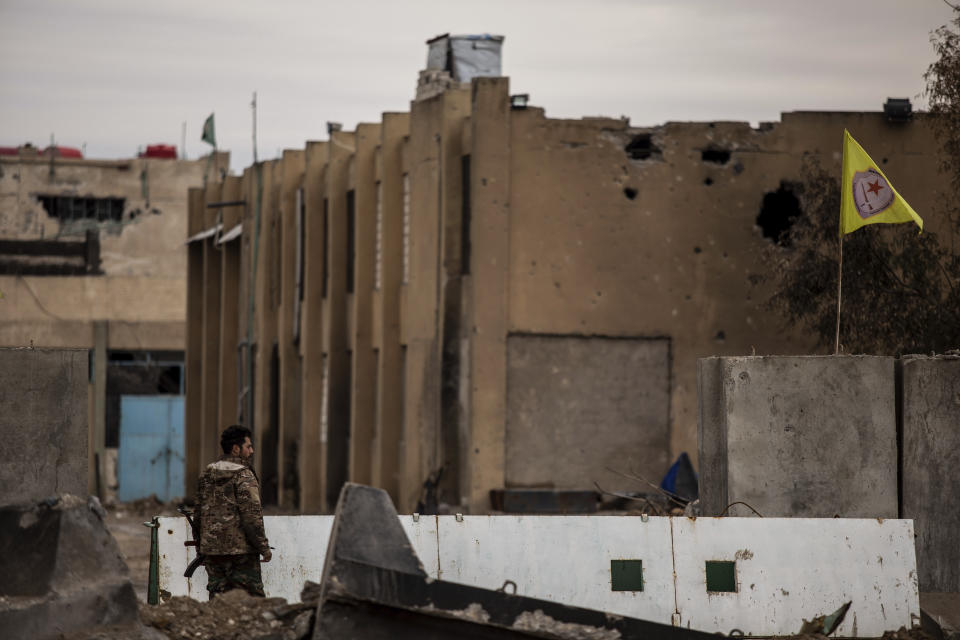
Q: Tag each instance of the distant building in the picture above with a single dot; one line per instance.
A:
(92, 255)
(474, 287)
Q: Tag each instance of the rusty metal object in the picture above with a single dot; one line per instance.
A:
(374, 586)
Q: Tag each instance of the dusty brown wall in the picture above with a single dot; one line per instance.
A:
(143, 289)
(679, 259)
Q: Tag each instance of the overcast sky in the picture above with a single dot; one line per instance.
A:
(118, 74)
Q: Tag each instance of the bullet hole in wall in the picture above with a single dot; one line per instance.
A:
(708, 181)
(721, 336)
(716, 156)
(641, 147)
(630, 192)
(779, 210)
(697, 249)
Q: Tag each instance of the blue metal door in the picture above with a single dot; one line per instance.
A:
(151, 456)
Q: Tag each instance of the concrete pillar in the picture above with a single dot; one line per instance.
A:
(288, 424)
(388, 430)
(193, 407)
(341, 148)
(100, 339)
(456, 109)
(229, 305)
(265, 297)
(420, 306)
(312, 452)
(210, 359)
(363, 394)
(486, 290)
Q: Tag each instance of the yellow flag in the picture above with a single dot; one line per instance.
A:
(867, 196)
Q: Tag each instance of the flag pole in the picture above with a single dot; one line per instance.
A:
(836, 344)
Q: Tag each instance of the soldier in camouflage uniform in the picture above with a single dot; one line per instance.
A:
(230, 519)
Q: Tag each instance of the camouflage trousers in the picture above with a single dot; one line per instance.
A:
(234, 572)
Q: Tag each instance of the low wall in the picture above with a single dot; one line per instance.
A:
(803, 436)
(43, 423)
(930, 415)
(783, 570)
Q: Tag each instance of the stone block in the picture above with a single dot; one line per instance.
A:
(43, 424)
(63, 572)
(930, 459)
(807, 436)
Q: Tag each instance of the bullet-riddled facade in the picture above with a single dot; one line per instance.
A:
(472, 296)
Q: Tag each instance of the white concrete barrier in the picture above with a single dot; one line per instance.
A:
(779, 570)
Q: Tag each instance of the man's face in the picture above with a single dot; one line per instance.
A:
(244, 451)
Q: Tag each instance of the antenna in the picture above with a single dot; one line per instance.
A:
(253, 106)
(183, 140)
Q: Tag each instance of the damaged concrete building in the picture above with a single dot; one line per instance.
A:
(471, 296)
(92, 257)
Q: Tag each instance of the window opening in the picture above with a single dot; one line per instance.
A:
(465, 217)
(378, 250)
(406, 228)
(351, 239)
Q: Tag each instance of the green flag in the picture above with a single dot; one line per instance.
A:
(209, 135)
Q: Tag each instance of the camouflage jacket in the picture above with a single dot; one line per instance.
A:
(228, 506)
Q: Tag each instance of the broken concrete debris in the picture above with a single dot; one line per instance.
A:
(62, 572)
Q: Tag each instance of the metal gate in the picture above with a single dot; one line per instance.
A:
(151, 456)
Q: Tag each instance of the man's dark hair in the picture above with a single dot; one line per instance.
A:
(234, 435)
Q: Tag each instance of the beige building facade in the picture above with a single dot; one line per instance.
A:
(472, 296)
(92, 256)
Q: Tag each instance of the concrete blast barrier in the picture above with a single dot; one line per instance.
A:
(61, 571)
(930, 414)
(782, 569)
(374, 586)
(807, 436)
(43, 423)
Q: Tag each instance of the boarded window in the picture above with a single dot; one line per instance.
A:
(580, 409)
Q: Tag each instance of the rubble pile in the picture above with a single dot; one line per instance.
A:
(235, 615)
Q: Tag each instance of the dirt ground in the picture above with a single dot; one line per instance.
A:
(125, 522)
